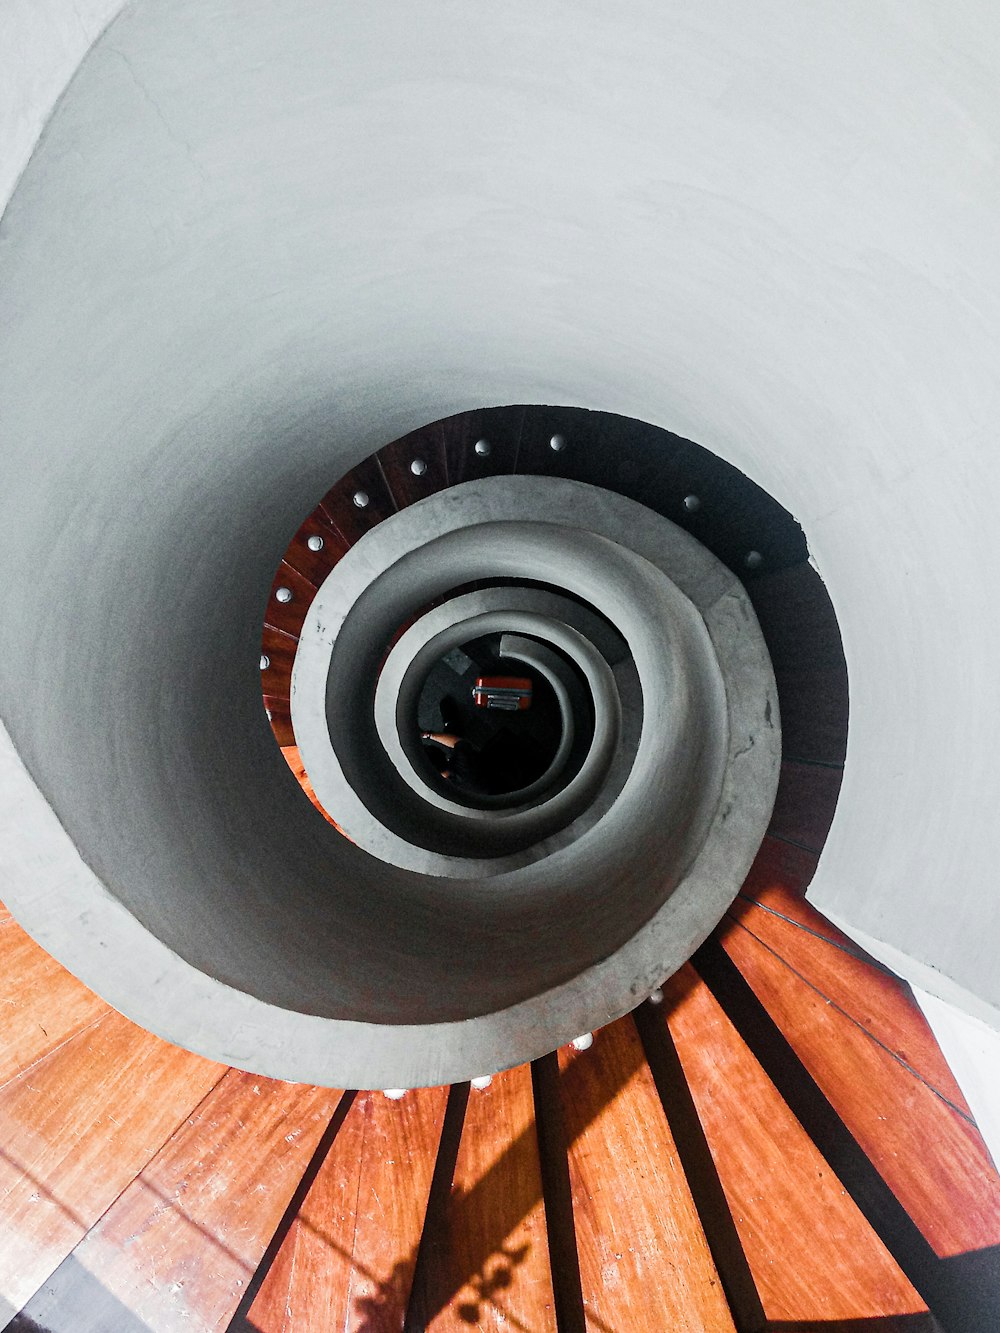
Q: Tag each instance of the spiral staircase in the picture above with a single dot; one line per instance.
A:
(772, 1140)
(601, 1061)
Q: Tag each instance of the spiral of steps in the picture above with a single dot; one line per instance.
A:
(275, 1054)
(770, 1141)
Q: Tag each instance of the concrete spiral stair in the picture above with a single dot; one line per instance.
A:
(776, 1144)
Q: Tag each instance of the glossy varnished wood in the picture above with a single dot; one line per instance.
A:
(41, 1004)
(315, 565)
(289, 616)
(280, 720)
(338, 504)
(634, 1213)
(183, 1239)
(348, 1260)
(426, 448)
(860, 1035)
(75, 1129)
(812, 1254)
(294, 761)
(276, 677)
(493, 1268)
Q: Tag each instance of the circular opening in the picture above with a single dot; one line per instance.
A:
(490, 726)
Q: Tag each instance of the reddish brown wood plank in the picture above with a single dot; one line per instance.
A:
(497, 430)
(353, 520)
(805, 803)
(276, 677)
(798, 619)
(280, 717)
(644, 1260)
(294, 761)
(41, 1004)
(177, 1247)
(493, 1269)
(423, 450)
(848, 977)
(312, 564)
(814, 713)
(288, 616)
(351, 1251)
(781, 863)
(75, 1129)
(857, 1048)
(812, 1254)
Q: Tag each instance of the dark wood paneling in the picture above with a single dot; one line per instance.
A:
(500, 427)
(315, 565)
(814, 714)
(289, 616)
(338, 504)
(41, 1003)
(632, 1206)
(811, 1252)
(426, 446)
(797, 619)
(276, 680)
(180, 1244)
(805, 803)
(862, 1038)
(491, 1266)
(733, 515)
(75, 1129)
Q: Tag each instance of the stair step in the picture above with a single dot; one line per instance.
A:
(176, 1249)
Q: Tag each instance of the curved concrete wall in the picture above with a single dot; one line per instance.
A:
(257, 242)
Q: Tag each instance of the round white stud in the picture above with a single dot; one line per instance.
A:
(656, 996)
(360, 498)
(418, 467)
(265, 661)
(315, 542)
(558, 443)
(484, 1082)
(584, 1042)
(395, 1094)
(283, 595)
(753, 560)
(483, 448)
(692, 503)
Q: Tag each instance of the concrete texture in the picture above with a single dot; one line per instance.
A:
(257, 242)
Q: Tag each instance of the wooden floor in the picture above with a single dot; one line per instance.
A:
(842, 1183)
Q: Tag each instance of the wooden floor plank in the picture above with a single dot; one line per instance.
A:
(862, 1038)
(493, 1272)
(812, 1254)
(850, 978)
(644, 1260)
(347, 1262)
(178, 1246)
(75, 1129)
(41, 1004)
